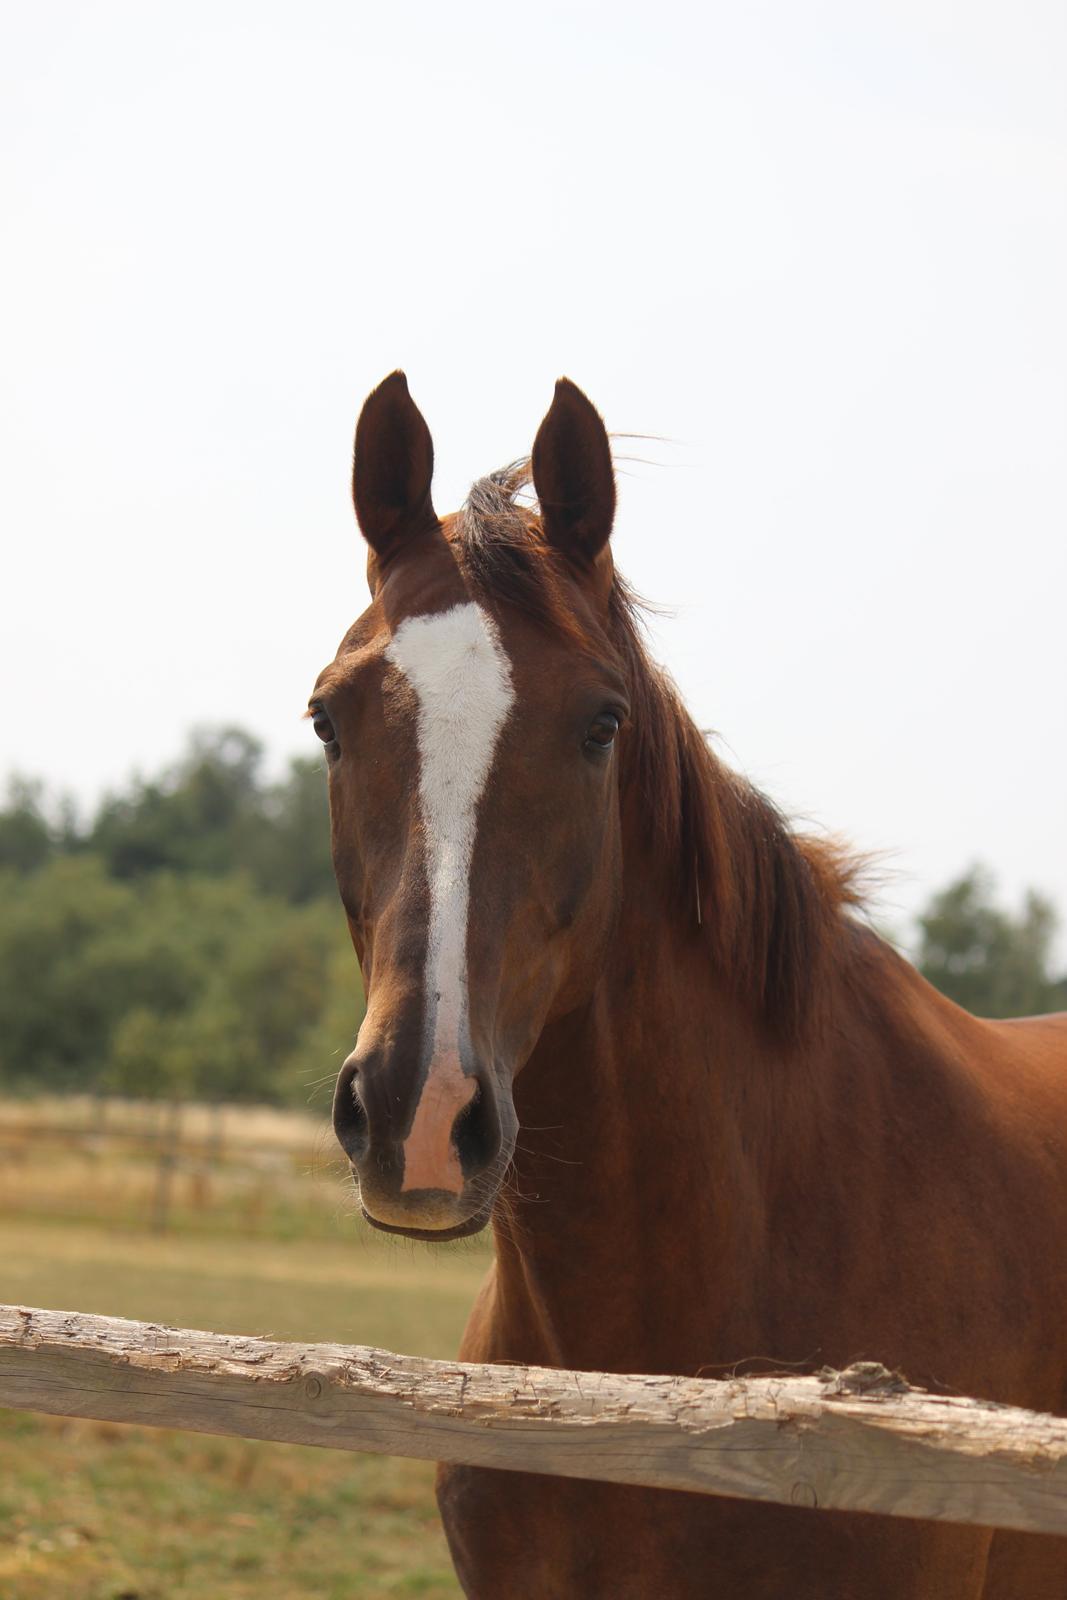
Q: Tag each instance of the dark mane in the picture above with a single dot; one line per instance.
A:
(767, 901)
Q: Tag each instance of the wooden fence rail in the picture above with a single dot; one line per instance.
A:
(858, 1440)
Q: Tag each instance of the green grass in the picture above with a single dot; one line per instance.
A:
(94, 1511)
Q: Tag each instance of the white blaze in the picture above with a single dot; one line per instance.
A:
(460, 674)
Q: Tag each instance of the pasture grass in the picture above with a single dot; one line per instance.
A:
(99, 1511)
(203, 1169)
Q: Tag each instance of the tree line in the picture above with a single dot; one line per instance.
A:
(990, 960)
(185, 939)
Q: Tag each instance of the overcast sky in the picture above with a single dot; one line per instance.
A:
(819, 250)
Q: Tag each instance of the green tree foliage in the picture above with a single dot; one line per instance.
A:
(187, 941)
(213, 813)
(26, 838)
(991, 962)
(288, 851)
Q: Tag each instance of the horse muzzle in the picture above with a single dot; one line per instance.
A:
(428, 1160)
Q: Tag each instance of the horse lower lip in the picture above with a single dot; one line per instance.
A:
(461, 1230)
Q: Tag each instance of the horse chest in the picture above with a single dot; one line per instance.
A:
(535, 1538)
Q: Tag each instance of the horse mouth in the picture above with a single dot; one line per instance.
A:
(459, 1230)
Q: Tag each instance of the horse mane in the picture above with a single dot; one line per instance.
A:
(768, 902)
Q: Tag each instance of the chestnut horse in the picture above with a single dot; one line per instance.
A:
(615, 1006)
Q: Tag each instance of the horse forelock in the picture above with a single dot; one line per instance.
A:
(768, 902)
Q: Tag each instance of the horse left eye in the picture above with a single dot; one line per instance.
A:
(602, 731)
(323, 726)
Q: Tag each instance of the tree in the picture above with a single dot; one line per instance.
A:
(58, 986)
(187, 942)
(309, 1073)
(990, 962)
(25, 836)
(194, 818)
(210, 812)
(288, 852)
(170, 986)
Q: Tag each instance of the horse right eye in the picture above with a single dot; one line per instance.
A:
(323, 726)
(602, 730)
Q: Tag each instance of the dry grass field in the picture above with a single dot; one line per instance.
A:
(264, 1242)
(206, 1169)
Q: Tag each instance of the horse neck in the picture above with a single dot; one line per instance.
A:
(649, 1152)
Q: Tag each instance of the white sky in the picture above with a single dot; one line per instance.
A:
(820, 249)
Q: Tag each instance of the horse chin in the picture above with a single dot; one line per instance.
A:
(435, 1235)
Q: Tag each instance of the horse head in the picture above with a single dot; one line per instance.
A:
(472, 720)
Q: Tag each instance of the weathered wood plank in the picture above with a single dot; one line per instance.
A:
(854, 1441)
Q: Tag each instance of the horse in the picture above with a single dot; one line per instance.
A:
(618, 1008)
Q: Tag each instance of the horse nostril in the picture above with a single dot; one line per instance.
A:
(350, 1115)
(476, 1133)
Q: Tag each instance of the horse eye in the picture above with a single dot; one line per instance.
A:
(323, 726)
(602, 731)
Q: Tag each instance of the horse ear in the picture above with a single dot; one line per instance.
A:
(392, 468)
(573, 476)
